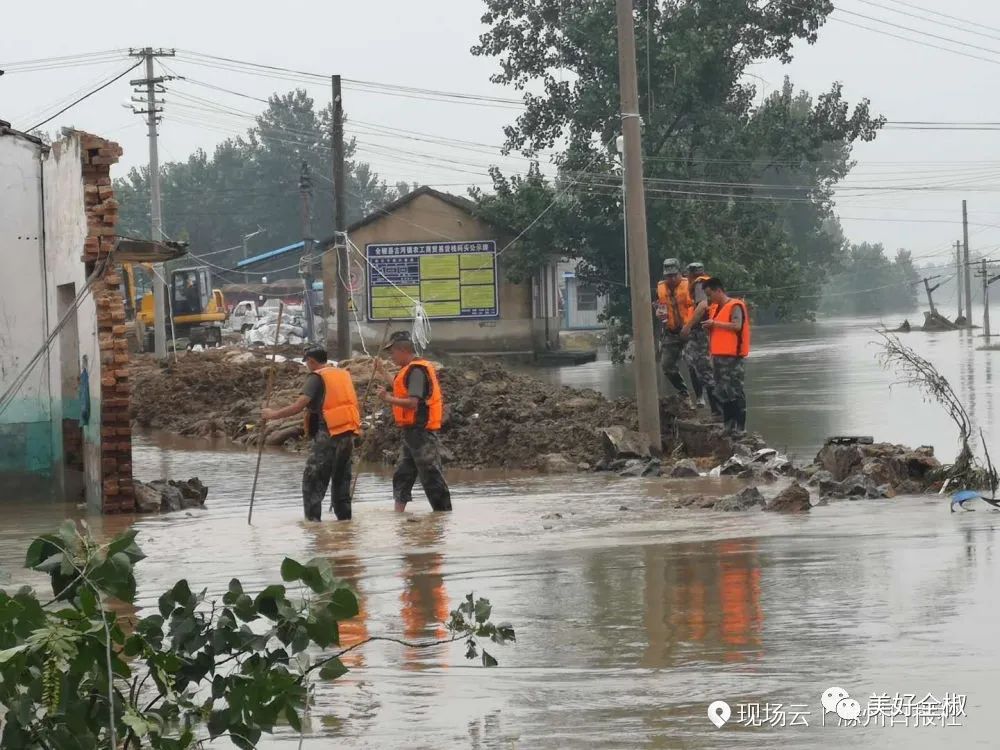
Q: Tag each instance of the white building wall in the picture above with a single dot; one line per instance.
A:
(25, 425)
(65, 234)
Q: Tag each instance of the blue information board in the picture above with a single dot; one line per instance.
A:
(453, 280)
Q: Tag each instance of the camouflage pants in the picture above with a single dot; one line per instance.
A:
(671, 354)
(699, 362)
(420, 458)
(328, 465)
(729, 374)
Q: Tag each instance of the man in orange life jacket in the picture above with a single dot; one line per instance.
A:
(696, 354)
(673, 309)
(417, 408)
(728, 326)
(332, 420)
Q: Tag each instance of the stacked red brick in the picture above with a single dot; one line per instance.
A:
(98, 155)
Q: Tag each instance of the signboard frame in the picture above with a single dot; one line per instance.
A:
(403, 251)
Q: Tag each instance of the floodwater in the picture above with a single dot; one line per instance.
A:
(807, 381)
(631, 617)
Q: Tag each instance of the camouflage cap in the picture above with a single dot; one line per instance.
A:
(671, 265)
(398, 337)
(696, 266)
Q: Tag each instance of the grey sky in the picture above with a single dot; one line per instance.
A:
(426, 45)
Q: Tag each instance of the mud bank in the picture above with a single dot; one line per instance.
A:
(494, 418)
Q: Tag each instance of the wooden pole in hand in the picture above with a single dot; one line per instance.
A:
(267, 401)
(368, 390)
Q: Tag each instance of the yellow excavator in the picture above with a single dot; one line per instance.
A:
(199, 311)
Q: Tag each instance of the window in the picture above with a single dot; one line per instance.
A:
(586, 298)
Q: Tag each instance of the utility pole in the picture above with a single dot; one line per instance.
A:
(343, 277)
(984, 272)
(306, 264)
(647, 390)
(154, 85)
(958, 276)
(968, 264)
(930, 289)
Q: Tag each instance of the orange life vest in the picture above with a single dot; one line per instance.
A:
(723, 343)
(434, 402)
(340, 402)
(677, 304)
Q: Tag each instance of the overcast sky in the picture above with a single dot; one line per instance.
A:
(427, 45)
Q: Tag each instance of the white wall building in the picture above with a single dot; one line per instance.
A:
(580, 304)
(64, 386)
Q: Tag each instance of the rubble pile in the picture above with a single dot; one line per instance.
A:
(293, 328)
(862, 468)
(497, 418)
(167, 496)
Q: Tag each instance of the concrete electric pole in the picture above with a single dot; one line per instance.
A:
(958, 276)
(647, 390)
(968, 264)
(153, 85)
(343, 277)
(985, 273)
(306, 264)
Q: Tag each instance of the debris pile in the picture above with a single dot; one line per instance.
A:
(293, 327)
(163, 496)
(861, 468)
(500, 419)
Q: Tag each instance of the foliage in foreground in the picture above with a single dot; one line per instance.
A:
(198, 669)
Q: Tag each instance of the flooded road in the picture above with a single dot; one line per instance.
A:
(629, 622)
(631, 617)
(807, 381)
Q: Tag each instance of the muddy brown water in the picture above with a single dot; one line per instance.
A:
(631, 617)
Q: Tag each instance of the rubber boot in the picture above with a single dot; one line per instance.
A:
(741, 416)
(699, 389)
(730, 416)
(678, 383)
(714, 403)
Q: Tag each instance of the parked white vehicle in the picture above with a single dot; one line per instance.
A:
(244, 316)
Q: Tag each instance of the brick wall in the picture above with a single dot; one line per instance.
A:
(102, 217)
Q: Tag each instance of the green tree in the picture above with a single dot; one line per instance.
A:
(76, 676)
(251, 181)
(870, 284)
(743, 185)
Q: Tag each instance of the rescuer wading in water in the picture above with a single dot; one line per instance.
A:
(332, 421)
(417, 408)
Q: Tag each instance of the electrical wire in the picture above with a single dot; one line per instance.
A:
(918, 31)
(929, 20)
(86, 96)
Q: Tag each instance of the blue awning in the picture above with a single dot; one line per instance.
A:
(271, 254)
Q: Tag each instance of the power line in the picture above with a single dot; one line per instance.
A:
(86, 96)
(929, 20)
(918, 31)
(916, 41)
(413, 92)
(944, 15)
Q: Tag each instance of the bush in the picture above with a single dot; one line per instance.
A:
(73, 674)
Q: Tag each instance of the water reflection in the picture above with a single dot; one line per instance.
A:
(424, 598)
(703, 603)
(337, 542)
